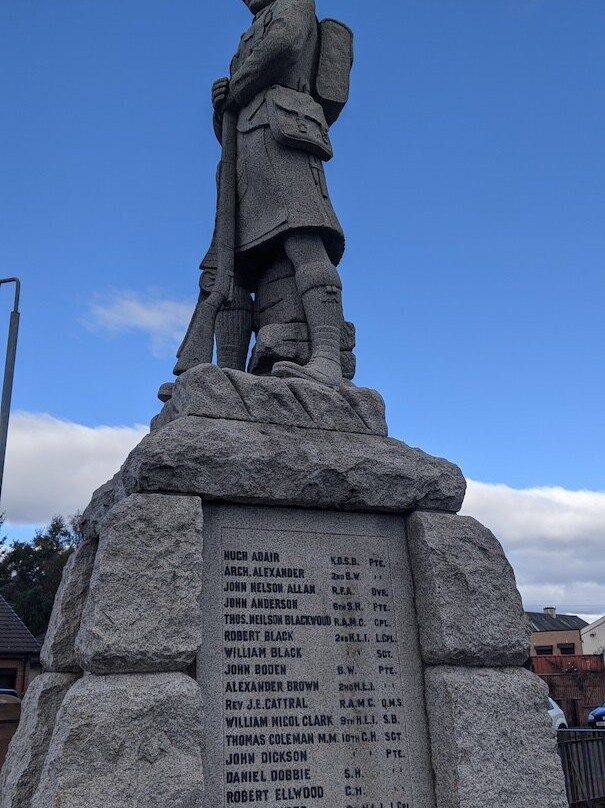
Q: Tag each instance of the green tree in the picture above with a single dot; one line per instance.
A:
(30, 572)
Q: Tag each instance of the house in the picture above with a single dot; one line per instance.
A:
(575, 679)
(555, 634)
(18, 649)
(593, 637)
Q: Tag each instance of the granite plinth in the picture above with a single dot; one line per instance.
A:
(29, 746)
(472, 613)
(263, 464)
(59, 652)
(103, 499)
(126, 742)
(492, 739)
(211, 392)
(227, 435)
(143, 609)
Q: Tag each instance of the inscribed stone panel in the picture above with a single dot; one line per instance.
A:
(310, 665)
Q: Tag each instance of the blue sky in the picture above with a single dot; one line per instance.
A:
(469, 176)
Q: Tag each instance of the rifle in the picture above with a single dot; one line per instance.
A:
(198, 345)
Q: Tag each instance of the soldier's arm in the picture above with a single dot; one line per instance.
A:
(286, 35)
(220, 93)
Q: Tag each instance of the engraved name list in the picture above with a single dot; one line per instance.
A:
(311, 702)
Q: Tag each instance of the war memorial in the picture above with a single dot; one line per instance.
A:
(276, 605)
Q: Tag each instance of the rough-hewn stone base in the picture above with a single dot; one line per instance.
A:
(134, 741)
(27, 752)
(143, 612)
(492, 741)
(126, 742)
(211, 392)
(58, 652)
(264, 464)
(471, 612)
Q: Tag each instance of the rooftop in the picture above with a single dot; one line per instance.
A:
(551, 621)
(594, 625)
(15, 638)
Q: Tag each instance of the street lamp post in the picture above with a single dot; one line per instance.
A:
(9, 372)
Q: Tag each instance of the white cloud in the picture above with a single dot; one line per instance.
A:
(553, 537)
(53, 466)
(163, 321)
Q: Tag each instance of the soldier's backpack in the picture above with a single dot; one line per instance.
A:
(333, 67)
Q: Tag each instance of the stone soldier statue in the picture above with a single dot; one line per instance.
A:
(288, 82)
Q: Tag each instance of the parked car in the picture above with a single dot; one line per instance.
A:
(9, 696)
(597, 717)
(557, 716)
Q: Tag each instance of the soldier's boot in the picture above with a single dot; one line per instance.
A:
(322, 303)
(234, 329)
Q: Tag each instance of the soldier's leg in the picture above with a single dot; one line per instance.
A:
(234, 330)
(320, 288)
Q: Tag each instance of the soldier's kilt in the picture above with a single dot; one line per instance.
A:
(279, 189)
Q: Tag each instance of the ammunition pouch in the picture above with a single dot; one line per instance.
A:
(298, 121)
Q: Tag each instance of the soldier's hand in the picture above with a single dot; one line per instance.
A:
(220, 93)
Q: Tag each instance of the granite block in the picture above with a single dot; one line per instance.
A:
(58, 652)
(126, 742)
(28, 748)
(143, 610)
(269, 464)
(469, 609)
(211, 392)
(492, 739)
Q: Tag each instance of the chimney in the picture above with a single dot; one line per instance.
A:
(551, 611)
